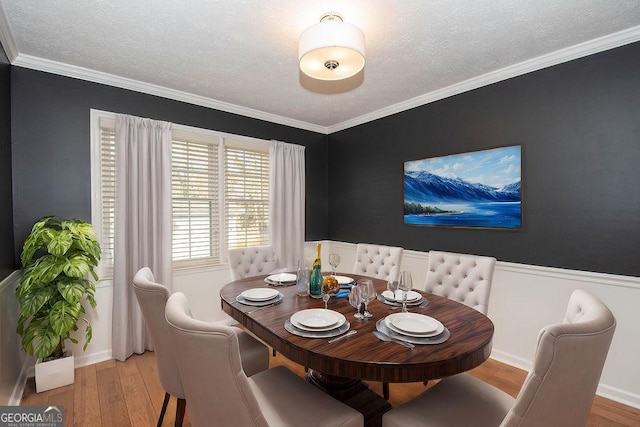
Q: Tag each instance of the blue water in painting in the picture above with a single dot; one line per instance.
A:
(497, 215)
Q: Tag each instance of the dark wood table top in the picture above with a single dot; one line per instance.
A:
(362, 355)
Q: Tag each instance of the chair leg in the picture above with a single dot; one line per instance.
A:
(164, 408)
(385, 391)
(180, 412)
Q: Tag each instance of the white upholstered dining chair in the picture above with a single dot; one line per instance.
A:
(219, 392)
(460, 277)
(152, 298)
(252, 261)
(382, 262)
(558, 391)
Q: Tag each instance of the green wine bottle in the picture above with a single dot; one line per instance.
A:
(315, 282)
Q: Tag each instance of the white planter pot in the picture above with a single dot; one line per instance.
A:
(54, 373)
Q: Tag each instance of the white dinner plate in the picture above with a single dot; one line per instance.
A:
(317, 319)
(413, 324)
(433, 339)
(411, 296)
(344, 280)
(259, 294)
(281, 278)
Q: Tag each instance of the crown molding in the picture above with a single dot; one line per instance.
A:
(6, 38)
(40, 64)
(590, 47)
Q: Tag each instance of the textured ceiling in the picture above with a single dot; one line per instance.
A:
(241, 56)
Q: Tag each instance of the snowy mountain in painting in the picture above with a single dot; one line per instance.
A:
(425, 187)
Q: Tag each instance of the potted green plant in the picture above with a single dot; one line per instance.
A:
(56, 258)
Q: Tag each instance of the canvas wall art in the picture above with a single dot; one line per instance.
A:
(474, 189)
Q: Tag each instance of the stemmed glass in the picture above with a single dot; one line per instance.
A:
(405, 285)
(334, 260)
(355, 299)
(325, 297)
(368, 292)
(392, 285)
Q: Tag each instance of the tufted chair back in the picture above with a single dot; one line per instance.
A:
(221, 394)
(463, 278)
(382, 262)
(152, 298)
(558, 391)
(209, 364)
(560, 387)
(252, 261)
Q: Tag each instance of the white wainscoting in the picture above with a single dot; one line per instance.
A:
(524, 299)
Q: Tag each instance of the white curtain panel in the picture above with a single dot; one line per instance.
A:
(142, 223)
(286, 202)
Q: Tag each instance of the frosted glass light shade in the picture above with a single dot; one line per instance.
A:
(331, 50)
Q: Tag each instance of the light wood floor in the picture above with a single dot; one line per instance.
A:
(130, 394)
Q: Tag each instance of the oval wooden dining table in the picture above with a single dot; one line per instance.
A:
(339, 368)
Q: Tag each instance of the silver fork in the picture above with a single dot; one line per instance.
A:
(387, 338)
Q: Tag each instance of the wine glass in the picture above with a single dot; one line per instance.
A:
(392, 286)
(369, 293)
(355, 299)
(405, 285)
(328, 289)
(334, 260)
(325, 297)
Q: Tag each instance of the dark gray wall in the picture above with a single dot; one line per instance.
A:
(579, 127)
(7, 264)
(578, 124)
(51, 153)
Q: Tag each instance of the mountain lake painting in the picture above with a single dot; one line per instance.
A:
(475, 189)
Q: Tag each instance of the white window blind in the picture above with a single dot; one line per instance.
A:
(220, 193)
(107, 197)
(195, 189)
(246, 197)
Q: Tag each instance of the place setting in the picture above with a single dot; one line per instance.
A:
(395, 299)
(394, 295)
(281, 279)
(406, 327)
(413, 328)
(317, 323)
(259, 297)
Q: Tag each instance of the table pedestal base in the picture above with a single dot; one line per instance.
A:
(354, 393)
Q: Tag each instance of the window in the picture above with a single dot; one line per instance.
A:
(246, 197)
(195, 200)
(220, 193)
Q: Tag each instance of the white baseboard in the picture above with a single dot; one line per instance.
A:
(613, 393)
(511, 360)
(618, 395)
(91, 358)
(18, 388)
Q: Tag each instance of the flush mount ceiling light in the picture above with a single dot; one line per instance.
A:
(331, 49)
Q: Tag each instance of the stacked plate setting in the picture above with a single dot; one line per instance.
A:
(413, 298)
(259, 296)
(344, 280)
(281, 279)
(414, 328)
(317, 323)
